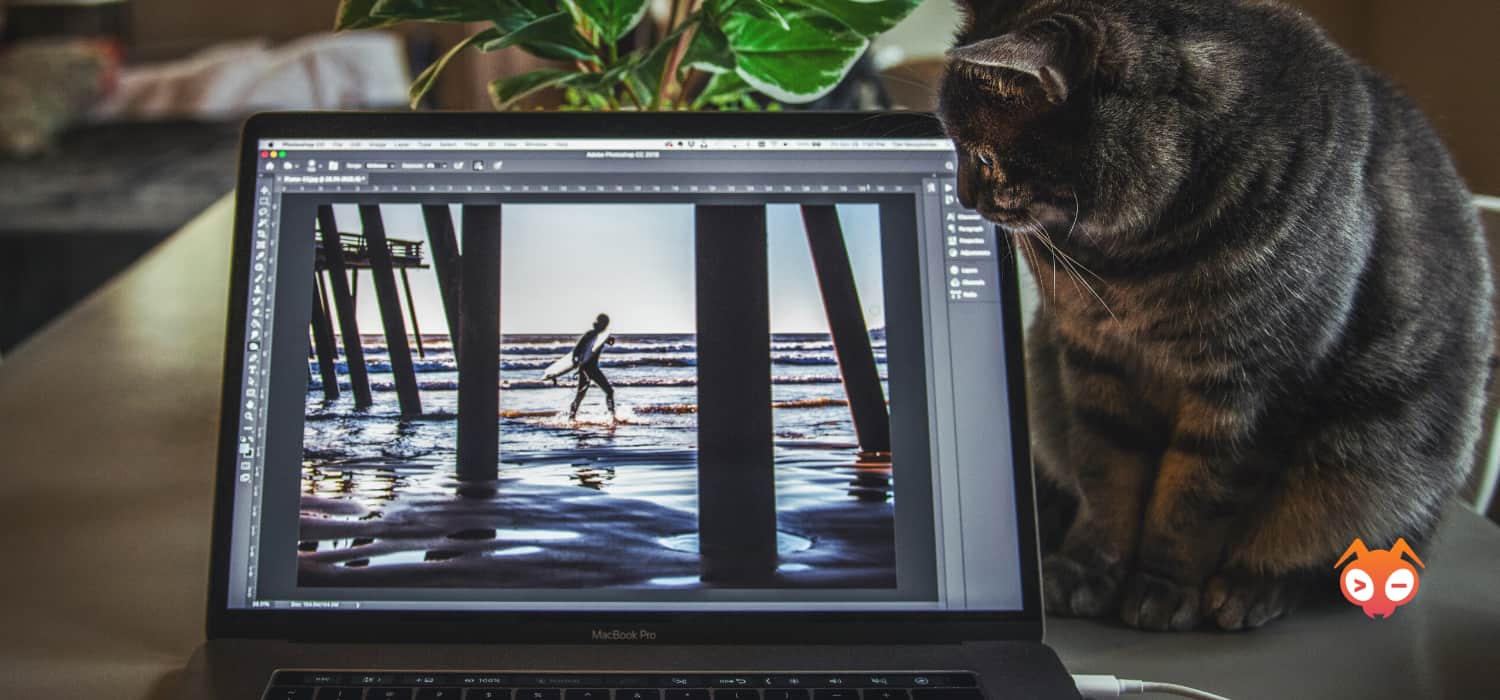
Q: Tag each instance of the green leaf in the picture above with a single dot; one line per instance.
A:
(600, 83)
(355, 14)
(615, 18)
(505, 91)
(514, 14)
(722, 86)
(428, 77)
(435, 10)
(553, 36)
(868, 17)
(709, 51)
(760, 9)
(796, 65)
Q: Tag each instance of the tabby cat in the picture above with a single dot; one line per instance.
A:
(1265, 322)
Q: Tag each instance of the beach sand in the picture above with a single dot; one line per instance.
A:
(584, 518)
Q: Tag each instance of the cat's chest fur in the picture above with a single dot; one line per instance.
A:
(1121, 320)
(1139, 329)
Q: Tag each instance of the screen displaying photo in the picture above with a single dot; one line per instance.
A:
(602, 479)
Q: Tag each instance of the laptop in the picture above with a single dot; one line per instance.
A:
(569, 406)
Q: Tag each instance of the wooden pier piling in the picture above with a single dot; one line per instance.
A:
(736, 464)
(320, 284)
(479, 363)
(389, 299)
(411, 309)
(323, 343)
(343, 303)
(846, 323)
(445, 263)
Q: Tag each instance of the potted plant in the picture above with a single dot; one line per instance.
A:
(711, 54)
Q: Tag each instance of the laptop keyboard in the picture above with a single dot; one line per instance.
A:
(864, 685)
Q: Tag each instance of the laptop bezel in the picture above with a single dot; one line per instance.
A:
(557, 626)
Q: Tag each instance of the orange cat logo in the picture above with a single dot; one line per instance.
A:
(1379, 581)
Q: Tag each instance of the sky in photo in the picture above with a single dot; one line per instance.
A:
(563, 264)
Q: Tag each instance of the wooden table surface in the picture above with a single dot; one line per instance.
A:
(108, 421)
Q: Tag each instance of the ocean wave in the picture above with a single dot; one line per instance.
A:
(671, 409)
(821, 402)
(553, 415)
(527, 384)
(443, 349)
(449, 365)
(690, 408)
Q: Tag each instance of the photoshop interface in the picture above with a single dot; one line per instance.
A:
(727, 374)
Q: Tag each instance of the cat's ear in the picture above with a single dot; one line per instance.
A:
(972, 11)
(1057, 56)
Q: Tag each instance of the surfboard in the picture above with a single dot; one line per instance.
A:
(567, 363)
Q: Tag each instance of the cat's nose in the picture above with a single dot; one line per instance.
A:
(1009, 198)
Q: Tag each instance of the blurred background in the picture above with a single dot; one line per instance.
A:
(119, 118)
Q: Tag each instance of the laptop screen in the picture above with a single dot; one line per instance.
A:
(647, 375)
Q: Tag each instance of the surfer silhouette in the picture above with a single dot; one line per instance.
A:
(586, 358)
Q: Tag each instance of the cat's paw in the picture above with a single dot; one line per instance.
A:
(1158, 604)
(1075, 589)
(1235, 599)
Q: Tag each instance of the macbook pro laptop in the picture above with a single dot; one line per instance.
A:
(575, 406)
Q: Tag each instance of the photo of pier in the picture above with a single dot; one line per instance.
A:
(597, 396)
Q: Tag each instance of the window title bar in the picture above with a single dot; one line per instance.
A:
(607, 144)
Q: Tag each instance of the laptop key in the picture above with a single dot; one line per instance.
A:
(440, 693)
(637, 694)
(687, 694)
(785, 694)
(487, 694)
(947, 694)
(289, 693)
(835, 694)
(887, 694)
(736, 694)
(538, 694)
(586, 694)
(389, 694)
(339, 693)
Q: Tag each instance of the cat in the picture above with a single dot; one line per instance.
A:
(1265, 322)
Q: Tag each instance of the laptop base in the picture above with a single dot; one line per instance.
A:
(241, 669)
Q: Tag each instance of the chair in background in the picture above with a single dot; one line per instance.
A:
(1485, 479)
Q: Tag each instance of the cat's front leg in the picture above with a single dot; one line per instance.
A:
(1203, 483)
(1108, 456)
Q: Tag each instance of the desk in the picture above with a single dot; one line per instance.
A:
(109, 419)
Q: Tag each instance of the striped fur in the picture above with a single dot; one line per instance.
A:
(1266, 320)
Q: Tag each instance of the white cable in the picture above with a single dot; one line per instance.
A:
(1109, 687)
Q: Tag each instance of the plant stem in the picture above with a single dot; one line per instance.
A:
(675, 60)
(669, 72)
(672, 19)
(661, 83)
(635, 97)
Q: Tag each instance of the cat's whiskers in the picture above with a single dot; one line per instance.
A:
(1077, 210)
(1071, 264)
(1071, 260)
(1031, 261)
(1036, 267)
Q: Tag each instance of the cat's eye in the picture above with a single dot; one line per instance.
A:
(982, 158)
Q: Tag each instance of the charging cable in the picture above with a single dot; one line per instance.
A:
(1108, 687)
